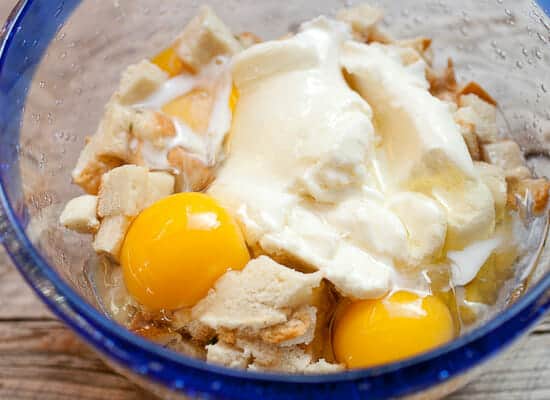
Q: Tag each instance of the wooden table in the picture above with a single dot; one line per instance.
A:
(41, 359)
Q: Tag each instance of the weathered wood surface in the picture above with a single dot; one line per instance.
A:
(41, 359)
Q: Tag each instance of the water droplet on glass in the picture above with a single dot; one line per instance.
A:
(538, 54)
(524, 51)
(541, 38)
(42, 84)
(543, 88)
(508, 12)
(63, 55)
(519, 64)
(493, 43)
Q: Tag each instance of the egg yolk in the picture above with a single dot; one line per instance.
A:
(176, 249)
(193, 108)
(233, 98)
(169, 62)
(374, 332)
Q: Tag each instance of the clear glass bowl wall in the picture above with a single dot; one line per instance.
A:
(49, 105)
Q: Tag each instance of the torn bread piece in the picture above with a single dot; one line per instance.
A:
(195, 175)
(152, 126)
(139, 81)
(443, 84)
(108, 148)
(362, 19)
(493, 176)
(507, 155)
(123, 191)
(263, 318)
(204, 38)
(259, 356)
(248, 39)
(128, 189)
(160, 185)
(475, 88)
(421, 46)
(471, 139)
(480, 114)
(534, 190)
(262, 295)
(110, 235)
(80, 214)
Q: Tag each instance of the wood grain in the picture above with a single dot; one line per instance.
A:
(41, 359)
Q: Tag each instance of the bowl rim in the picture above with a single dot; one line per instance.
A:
(23, 253)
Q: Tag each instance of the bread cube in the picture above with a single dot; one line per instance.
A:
(443, 84)
(110, 236)
(479, 113)
(195, 175)
(248, 39)
(160, 185)
(139, 81)
(362, 19)
(471, 140)
(80, 214)
(123, 191)
(152, 126)
(494, 178)
(475, 88)
(507, 155)
(107, 149)
(204, 38)
(90, 167)
(537, 190)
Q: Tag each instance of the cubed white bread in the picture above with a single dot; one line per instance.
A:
(80, 214)
(481, 114)
(128, 189)
(107, 149)
(204, 38)
(508, 156)
(139, 81)
(152, 126)
(362, 19)
(263, 294)
(161, 184)
(110, 236)
(123, 191)
(494, 178)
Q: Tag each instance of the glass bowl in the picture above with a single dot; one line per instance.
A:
(61, 59)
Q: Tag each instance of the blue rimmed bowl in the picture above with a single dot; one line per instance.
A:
(61, 59)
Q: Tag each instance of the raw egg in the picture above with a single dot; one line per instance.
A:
(374, 332)
(176, 249)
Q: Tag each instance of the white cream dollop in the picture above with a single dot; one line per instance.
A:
(312, 181)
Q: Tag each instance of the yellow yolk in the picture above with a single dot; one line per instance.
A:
(233, 98)
(169, 62)
(374, 332)
(193, 108)
(176, 249)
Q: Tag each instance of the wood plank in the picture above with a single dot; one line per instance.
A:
(522, 373)
(16, 299)
(44, 360)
